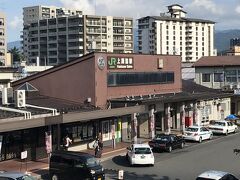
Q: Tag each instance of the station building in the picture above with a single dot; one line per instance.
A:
(119, 97)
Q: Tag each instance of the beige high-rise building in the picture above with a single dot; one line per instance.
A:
(3, 46)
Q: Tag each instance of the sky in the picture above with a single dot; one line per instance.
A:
(226, 13)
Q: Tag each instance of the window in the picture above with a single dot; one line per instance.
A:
(205, 77)
(140, 78)
(218, 77)
(231, 75)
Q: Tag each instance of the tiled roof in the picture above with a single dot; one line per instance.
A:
(190, 91)
(59, 104)
(218, 61)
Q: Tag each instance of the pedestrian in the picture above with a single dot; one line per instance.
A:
(98, 145)
(67, 142)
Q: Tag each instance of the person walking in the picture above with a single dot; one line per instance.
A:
(67, 142)
(98, 145)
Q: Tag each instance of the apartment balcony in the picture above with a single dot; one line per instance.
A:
(189, 55)
(189, 34)
(43, 27)
(33, 43)
(62, 32)
(75, 24)
(60, 48)
(52, 41)
(118, 25)
(62, 40)
(189, 50)
(75, 40)
(128, 32)
(33, 35)
(61, 25)
(43, 48)
(118, 47)
(52, 26)
(189, 44)
(93, 24)
(43, 34)
(75, 47)
(98, 39)
(75, 32)
(128, 25)
(33, 28)
(94, 32)
(52, 56)
(74, 55)
(118, 40)
(118, 32)
(52, 48)
(52, 33)
(43, 41)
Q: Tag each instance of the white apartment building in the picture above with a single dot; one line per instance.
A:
(3, 46)
(58, 40)
(34, 13)
(173, 33)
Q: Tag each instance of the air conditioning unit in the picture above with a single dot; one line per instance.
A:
(20, 98)
(89, 99)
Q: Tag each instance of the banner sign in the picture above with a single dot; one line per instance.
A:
(48, 142)
(1, 141)
(24, 155)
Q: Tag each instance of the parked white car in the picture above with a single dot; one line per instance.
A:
(197, 133)
(223, 127)
(140, 154)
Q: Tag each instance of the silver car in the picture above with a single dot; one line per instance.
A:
(7, 175)
(216, 175)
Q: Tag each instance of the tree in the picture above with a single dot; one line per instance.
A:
(16, 54)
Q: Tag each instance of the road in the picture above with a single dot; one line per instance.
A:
(183, 164)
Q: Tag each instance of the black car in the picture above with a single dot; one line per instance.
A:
(166, 142)
(75, 165)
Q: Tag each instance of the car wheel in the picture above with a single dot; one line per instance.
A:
(200, 140)
(170, 149)
(54, 177)
(226, 133)
(182, 145)
(235, 130)
(211, 136)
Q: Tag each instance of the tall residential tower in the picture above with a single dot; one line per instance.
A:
(57, 39)
(173, 33)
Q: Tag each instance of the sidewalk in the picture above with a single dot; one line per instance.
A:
(39, 168)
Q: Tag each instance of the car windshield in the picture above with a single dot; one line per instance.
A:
(162, 138)
(25, 177)
(191, 129)
(92, 162)
(142, 150)
(219, 123)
